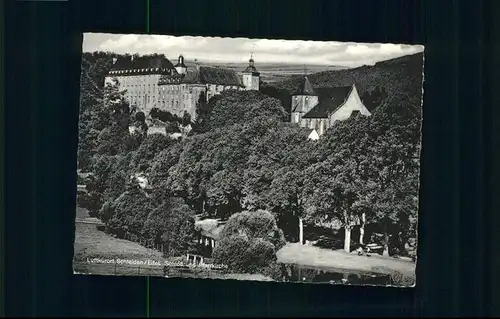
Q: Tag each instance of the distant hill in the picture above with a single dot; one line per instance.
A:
(397, 76)
(269, 72)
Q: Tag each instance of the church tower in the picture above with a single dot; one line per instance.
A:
(180, 66)
(303, 100)
(251, 77)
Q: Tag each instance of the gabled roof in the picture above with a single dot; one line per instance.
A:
(305, 88)
(330, 99)
(212, 75)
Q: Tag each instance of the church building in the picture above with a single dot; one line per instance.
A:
(318, 109)
(178, 89)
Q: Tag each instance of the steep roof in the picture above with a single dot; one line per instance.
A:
(212, 75)
(305, 88)
(141, 62)
(330, 99)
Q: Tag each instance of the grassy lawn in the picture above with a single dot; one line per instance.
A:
(311, 256)
(92, 243)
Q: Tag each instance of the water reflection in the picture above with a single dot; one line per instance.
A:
(294, 273)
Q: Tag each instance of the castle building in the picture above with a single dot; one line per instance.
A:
(178, 89)
(318, 109)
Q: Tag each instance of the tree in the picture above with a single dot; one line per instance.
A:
(186, 119)
(105, 129)
(395, 201)
(241, 107)
(130, 211)
(203, 110)
(94, 116)
(274, 175)
(188, 177)
(331, 196)
(118, 176)
(151, 146)
(165, 116)
(248, 243)
(160, 167)
(374, 98)
(171, 225)
(371, 164)
(281, 94)
(394, 168)
(97, 185)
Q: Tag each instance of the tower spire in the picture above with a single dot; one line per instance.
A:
(250, 62)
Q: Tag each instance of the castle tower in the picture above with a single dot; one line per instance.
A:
(180, 66)
(303, 100)
(251, 77)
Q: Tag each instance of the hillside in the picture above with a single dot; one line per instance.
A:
(395, 76)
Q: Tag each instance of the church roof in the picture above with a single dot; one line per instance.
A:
(212, 75)
(305, 88)
(330, 99)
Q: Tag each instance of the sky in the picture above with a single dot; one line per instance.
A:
(236, 50)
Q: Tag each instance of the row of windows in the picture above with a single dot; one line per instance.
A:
(161, 96)
(147, 99)
(169, 96)
(141, 78)
(154, 85)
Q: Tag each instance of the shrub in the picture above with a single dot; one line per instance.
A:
(249, 242)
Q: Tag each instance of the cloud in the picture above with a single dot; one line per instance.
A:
(239, 49)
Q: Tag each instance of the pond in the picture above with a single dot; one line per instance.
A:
(296, 273)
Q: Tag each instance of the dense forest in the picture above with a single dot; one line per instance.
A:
(243, 162)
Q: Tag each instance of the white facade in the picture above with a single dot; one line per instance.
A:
(251, 81)
(140, 90)
(352, 103)
(302, 104)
